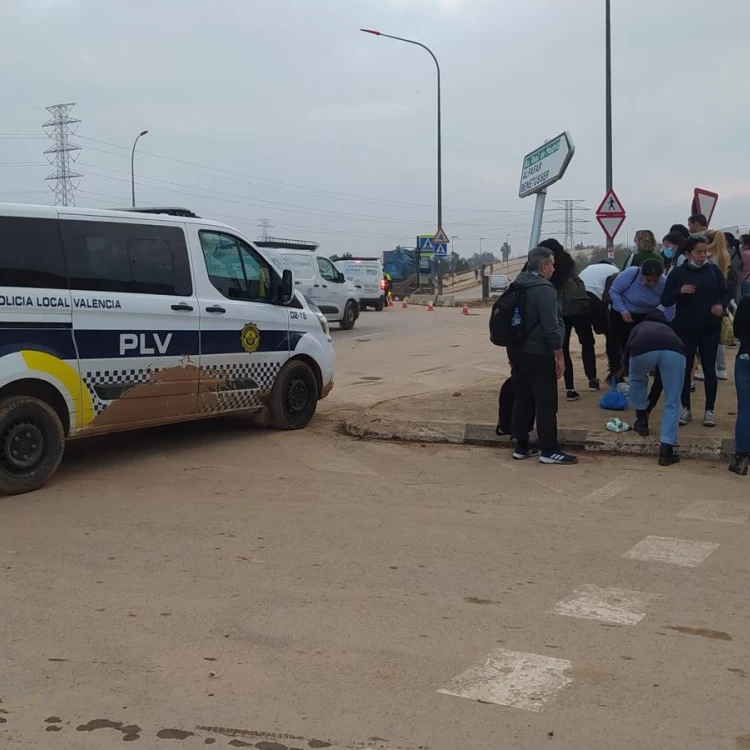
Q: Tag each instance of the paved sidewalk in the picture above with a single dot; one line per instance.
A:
(469, 415)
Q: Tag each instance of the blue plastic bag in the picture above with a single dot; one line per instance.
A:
(613, 400)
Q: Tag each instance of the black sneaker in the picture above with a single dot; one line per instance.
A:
(573, 395)
(557, 457)
(499, 431)
(520, 454)
(594, 384)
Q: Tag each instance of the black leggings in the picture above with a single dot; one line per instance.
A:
(706, 342)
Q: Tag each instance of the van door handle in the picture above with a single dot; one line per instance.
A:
(316, 285)
(215, 309)
(182, 306)
(325, 286)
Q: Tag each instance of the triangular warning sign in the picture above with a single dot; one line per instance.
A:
(440, 238)
(611, 205)
(704, 202)
(611, 224)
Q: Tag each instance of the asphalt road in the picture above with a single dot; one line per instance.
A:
(229, 586)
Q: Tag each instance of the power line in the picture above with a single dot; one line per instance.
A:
(61, 154)
(310, 191)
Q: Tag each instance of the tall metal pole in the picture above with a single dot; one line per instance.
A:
(608, 76)
(536, 222)
(439, 134)
(132, 164)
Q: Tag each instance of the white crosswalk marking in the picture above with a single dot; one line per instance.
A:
(685, 552)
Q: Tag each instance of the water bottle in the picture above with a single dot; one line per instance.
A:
(516, 319)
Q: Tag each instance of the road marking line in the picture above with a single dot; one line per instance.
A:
(616, 606)
(609, 490)
(683, 552)
(513, 679)
(714, 510)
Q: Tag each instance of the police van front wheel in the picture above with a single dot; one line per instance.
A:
(294, 397)
(32, 441)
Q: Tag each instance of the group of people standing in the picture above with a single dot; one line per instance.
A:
(663, 309)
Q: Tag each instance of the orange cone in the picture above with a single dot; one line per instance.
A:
(404, 305)
(465, 309)
(430, 306)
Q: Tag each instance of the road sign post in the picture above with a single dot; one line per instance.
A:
(610, 215)
(541, 168)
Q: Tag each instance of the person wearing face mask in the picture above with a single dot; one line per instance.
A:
(644, 248)
(699, 291)
(671, 251)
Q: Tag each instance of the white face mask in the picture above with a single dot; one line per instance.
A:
(635, 246)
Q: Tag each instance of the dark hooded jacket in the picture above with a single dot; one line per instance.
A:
(544, 320)
(652, 335)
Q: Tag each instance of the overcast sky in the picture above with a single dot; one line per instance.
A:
(330, 133)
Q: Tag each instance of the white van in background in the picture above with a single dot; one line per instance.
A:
(367, 275)
(317, 279)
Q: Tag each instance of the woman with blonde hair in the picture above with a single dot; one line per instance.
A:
(644, 248)
(718, 254)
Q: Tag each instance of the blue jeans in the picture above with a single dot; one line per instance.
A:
(672, 369)
(742, 425)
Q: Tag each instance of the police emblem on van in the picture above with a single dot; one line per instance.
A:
(250, 337)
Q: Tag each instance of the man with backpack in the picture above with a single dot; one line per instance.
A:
(528, 320)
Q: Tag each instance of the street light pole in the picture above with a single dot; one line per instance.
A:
(132, 164)
(439, 132)
(608, 97)
(454, 237)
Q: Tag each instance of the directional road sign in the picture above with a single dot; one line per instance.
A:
(546, 164)
(610, 214)
(704, 202)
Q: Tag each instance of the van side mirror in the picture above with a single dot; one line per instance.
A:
(286, 288)
(340, 279)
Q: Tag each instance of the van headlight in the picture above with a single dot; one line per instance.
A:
(321, 318)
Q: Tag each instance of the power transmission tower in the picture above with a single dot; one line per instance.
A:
(265, 227)
(569, 208)
(59, 127)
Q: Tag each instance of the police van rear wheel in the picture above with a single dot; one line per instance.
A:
(379, 305)
(294, 397)
(32, 441)
(350, 315)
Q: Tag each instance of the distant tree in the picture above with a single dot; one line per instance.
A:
(345, 256)
(505, 251)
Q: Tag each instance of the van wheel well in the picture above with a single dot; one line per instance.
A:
(44, 392)
(314, 367)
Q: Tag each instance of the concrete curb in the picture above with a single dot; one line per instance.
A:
(364, 425)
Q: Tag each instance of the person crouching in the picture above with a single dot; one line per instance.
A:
(653, 344)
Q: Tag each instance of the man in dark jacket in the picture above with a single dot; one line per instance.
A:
(538, 363)
(653, 344)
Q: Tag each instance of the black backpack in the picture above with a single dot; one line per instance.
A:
(508, 318)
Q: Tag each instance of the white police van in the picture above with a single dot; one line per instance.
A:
(367, 276)
(317, 278)
(115, 320)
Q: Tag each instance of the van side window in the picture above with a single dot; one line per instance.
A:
(234, 269)
(123, 257)
(327, 271)
(31, 254)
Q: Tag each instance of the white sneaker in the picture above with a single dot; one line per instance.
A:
(699, 375)
(685, 416)
(708, 419)
(721, 374)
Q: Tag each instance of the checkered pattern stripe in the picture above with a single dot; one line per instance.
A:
(229, 399)
(112, 377)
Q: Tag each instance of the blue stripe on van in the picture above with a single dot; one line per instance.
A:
(106, 343)
(57, 341)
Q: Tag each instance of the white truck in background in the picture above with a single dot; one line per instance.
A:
(367, 276)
